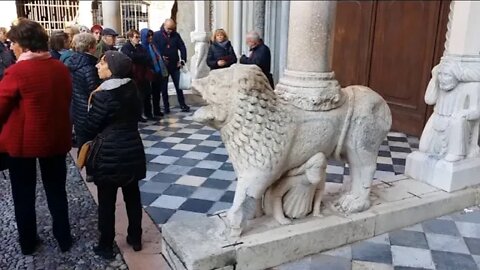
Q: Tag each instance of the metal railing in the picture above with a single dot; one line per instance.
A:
(51, 14)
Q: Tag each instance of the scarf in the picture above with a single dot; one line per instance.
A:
(223, 44)
(34, 56)
(109, 84)
(158, 64)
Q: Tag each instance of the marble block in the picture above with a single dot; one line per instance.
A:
(448, 176)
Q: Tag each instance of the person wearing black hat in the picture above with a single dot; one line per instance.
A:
(116, 159)
(107, 43)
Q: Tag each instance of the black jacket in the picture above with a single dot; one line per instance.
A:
(85, 80)
(261, 57)
(141, 60)
(216, 52)
(169, 47)
(117, 158)
(6, 59)
(138, 54)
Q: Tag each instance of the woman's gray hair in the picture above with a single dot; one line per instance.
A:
(83, 42)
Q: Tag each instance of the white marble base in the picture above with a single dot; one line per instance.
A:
(442, 174)
(199, 244)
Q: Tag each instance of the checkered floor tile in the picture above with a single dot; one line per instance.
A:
(189, 172)
(447, 243)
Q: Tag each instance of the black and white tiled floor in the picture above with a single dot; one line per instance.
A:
(451, 242)
(189, 174)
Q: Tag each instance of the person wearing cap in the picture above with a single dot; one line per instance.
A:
(107, 42)
(117, 158)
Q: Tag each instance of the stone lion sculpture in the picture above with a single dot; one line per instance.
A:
(268, 139)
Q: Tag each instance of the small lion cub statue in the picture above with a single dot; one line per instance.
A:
(299, 192)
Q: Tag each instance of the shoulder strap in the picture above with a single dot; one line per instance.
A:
(91, 96)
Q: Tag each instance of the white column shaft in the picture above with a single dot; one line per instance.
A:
(463, 35)
(310, 35)
(111, 15)
(237, 27)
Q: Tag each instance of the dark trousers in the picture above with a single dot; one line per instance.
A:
(156, 90)
(23, 176)
(107, 196)
(145, 95)
(175, 74)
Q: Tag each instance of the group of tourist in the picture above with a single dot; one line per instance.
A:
(72, 76)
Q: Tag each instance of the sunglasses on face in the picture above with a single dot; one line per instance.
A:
(96, 33)
(136, 36)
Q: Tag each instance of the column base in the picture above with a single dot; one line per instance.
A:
(311, 91)
(448, 176)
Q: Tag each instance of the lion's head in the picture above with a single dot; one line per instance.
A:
(220, 89)
(242, 104)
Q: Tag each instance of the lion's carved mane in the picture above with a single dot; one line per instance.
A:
(257, 134)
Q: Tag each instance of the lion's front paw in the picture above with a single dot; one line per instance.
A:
(352, 203)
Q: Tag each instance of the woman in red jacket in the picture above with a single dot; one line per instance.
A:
(35, 96)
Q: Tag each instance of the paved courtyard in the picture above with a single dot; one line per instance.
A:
(83, 220)
(189, 174)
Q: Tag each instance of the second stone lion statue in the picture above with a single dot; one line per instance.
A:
(266, 138)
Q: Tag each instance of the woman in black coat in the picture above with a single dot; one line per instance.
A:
(141, 70)
(117, 158)
(220, 53)
(85, 79)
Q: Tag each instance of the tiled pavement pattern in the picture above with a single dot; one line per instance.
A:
(188, 171)
(448, 243)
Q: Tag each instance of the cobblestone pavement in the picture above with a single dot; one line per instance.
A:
(83, 219)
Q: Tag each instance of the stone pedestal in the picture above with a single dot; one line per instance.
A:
(448, 176)
(398, 202)
(308, 81)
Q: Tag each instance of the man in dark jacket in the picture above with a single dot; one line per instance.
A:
(259, 55)
(85, 79)
(169, 42)
(107, 43)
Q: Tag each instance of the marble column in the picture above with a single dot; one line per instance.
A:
(200, 38)
(309, 82)
(111, 15)
(237, 27)
(284, 15)
(259, 17)
(449, 154)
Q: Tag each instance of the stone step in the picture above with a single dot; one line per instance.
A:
(200, 243)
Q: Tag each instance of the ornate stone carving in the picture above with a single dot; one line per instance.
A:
(278, 147)
(449, 154)
(451, 132)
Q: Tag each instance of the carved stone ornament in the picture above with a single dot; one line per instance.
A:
(451, 133)
(279, 151)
